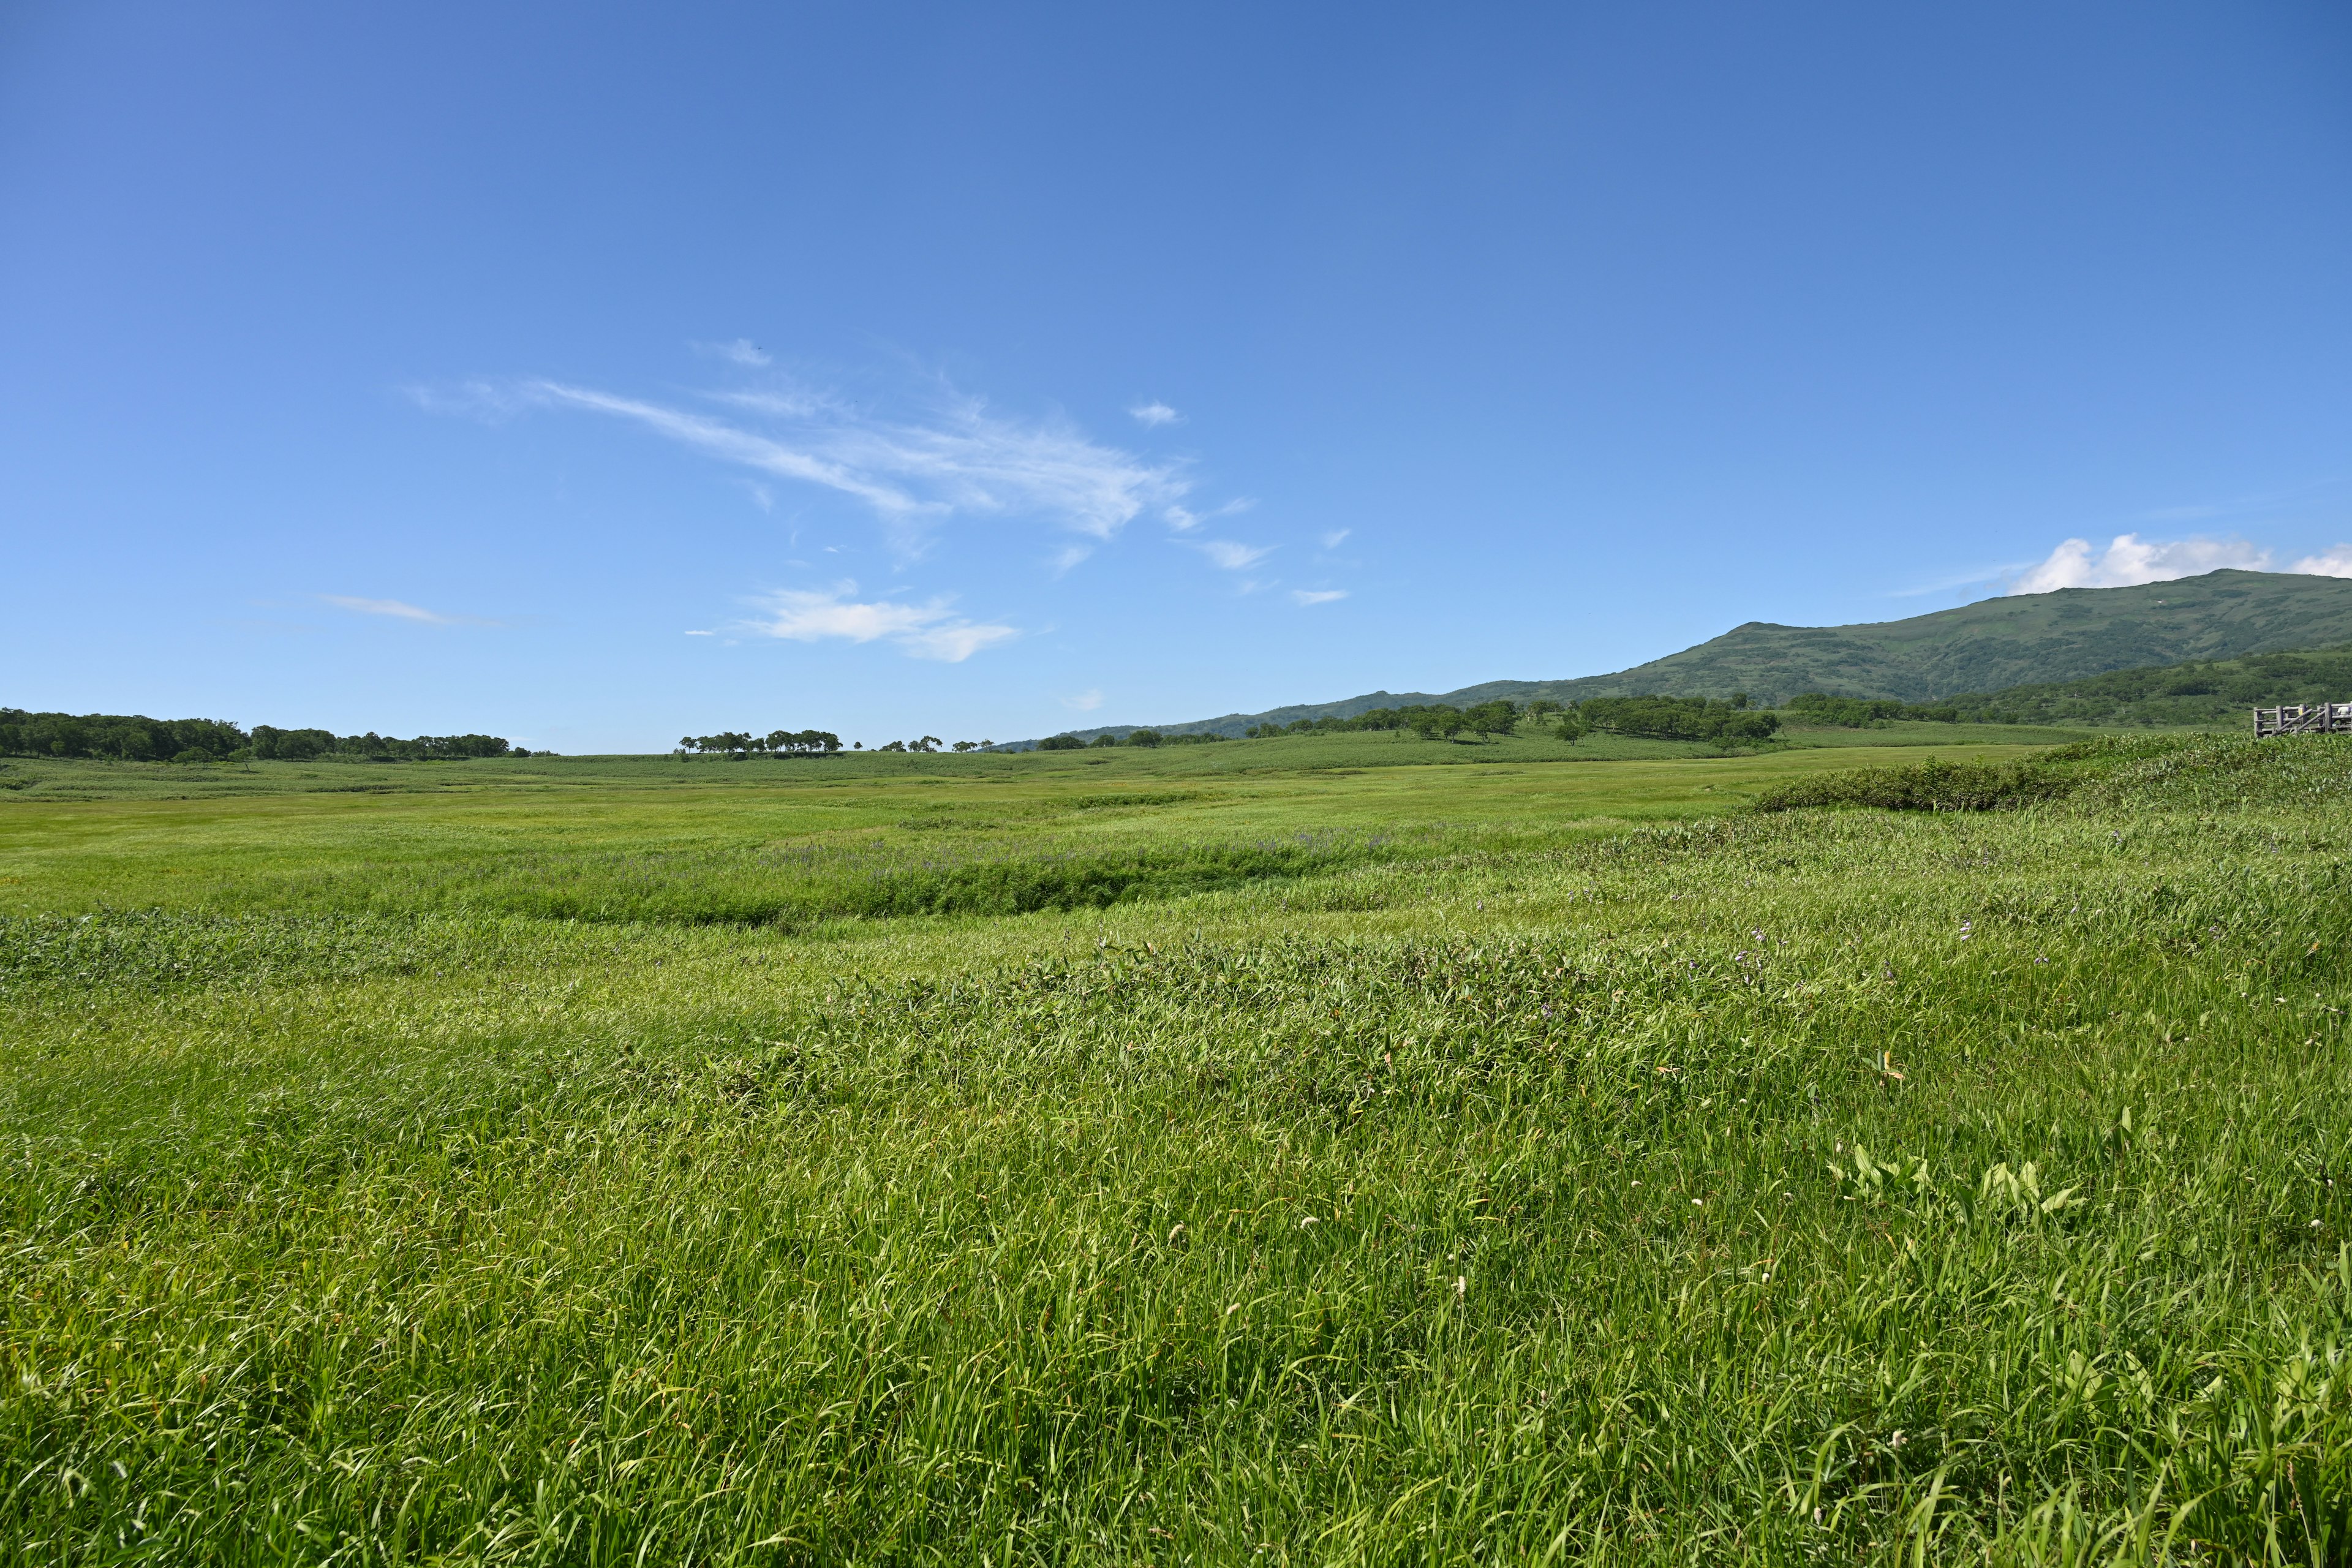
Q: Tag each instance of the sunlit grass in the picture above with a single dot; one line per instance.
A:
(1816, 1186)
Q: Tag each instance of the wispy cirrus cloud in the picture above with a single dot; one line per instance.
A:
(399, 610)
(1183, 520)
(2129, 560)
(959, 458)
(1232, 557)
(930, 630)
(1084, 701)
(1316, 595)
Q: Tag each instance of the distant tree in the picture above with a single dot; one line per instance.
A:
(1063, 743)
(1499, 716)
(1541, 707)
(801, 742)
(291, 745)
(927, 743)
(1739, 699)
(965, 746)
(894, 746)
(1679, 719)
(1573, 727)
(1106, 740)
(1143, 737)
(1434, 723)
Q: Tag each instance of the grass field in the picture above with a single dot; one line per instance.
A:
(1287, 1151)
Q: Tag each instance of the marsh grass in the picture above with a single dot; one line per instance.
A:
(1813, 1187)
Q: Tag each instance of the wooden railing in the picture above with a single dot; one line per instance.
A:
(2311, 718)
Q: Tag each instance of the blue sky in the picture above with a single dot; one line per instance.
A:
(596, 375)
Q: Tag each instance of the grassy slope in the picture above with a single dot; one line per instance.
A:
(1501, 1197)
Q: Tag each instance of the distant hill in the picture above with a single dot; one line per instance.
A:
(1981, 647)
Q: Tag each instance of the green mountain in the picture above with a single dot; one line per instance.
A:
(1981, 647)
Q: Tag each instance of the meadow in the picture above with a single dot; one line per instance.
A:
(1321, 1149)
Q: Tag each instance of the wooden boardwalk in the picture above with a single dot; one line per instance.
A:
(2311, 718)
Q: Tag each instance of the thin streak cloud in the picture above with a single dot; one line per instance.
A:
(397, 610)
(961, 461)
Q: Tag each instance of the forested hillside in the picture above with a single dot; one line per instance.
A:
(1985, 648)
(2199, 691)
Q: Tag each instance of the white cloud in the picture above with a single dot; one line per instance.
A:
(1234, 557)
(960, 461)
(1156, 413)
(925, 631)
(1336, 538)
(741, 350)
(391, 607)
(701, 634)
(1183, 520)
(2336, 562)
(956, 641)
(1070, 556)
(2128, 559)
(1317, 595)
(1084, 701)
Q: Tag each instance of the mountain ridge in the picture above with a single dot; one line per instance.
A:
(2066, 635)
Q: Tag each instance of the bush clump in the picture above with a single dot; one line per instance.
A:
(1925, 786)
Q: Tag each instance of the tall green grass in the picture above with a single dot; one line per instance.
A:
(1793, 1187)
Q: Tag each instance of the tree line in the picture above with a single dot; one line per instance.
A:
(1066, 742)
(136, 738)
(1717, 719)
(738, 744)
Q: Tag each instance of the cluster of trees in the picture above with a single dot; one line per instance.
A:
(1430, 721)
(929, 743)
(272, 745)
(136, 738)
(1132, 738)
(1677, 718)
(122, 737)
(1658, 717)
(737, 745)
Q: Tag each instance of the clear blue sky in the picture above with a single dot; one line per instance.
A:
(593, 374)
